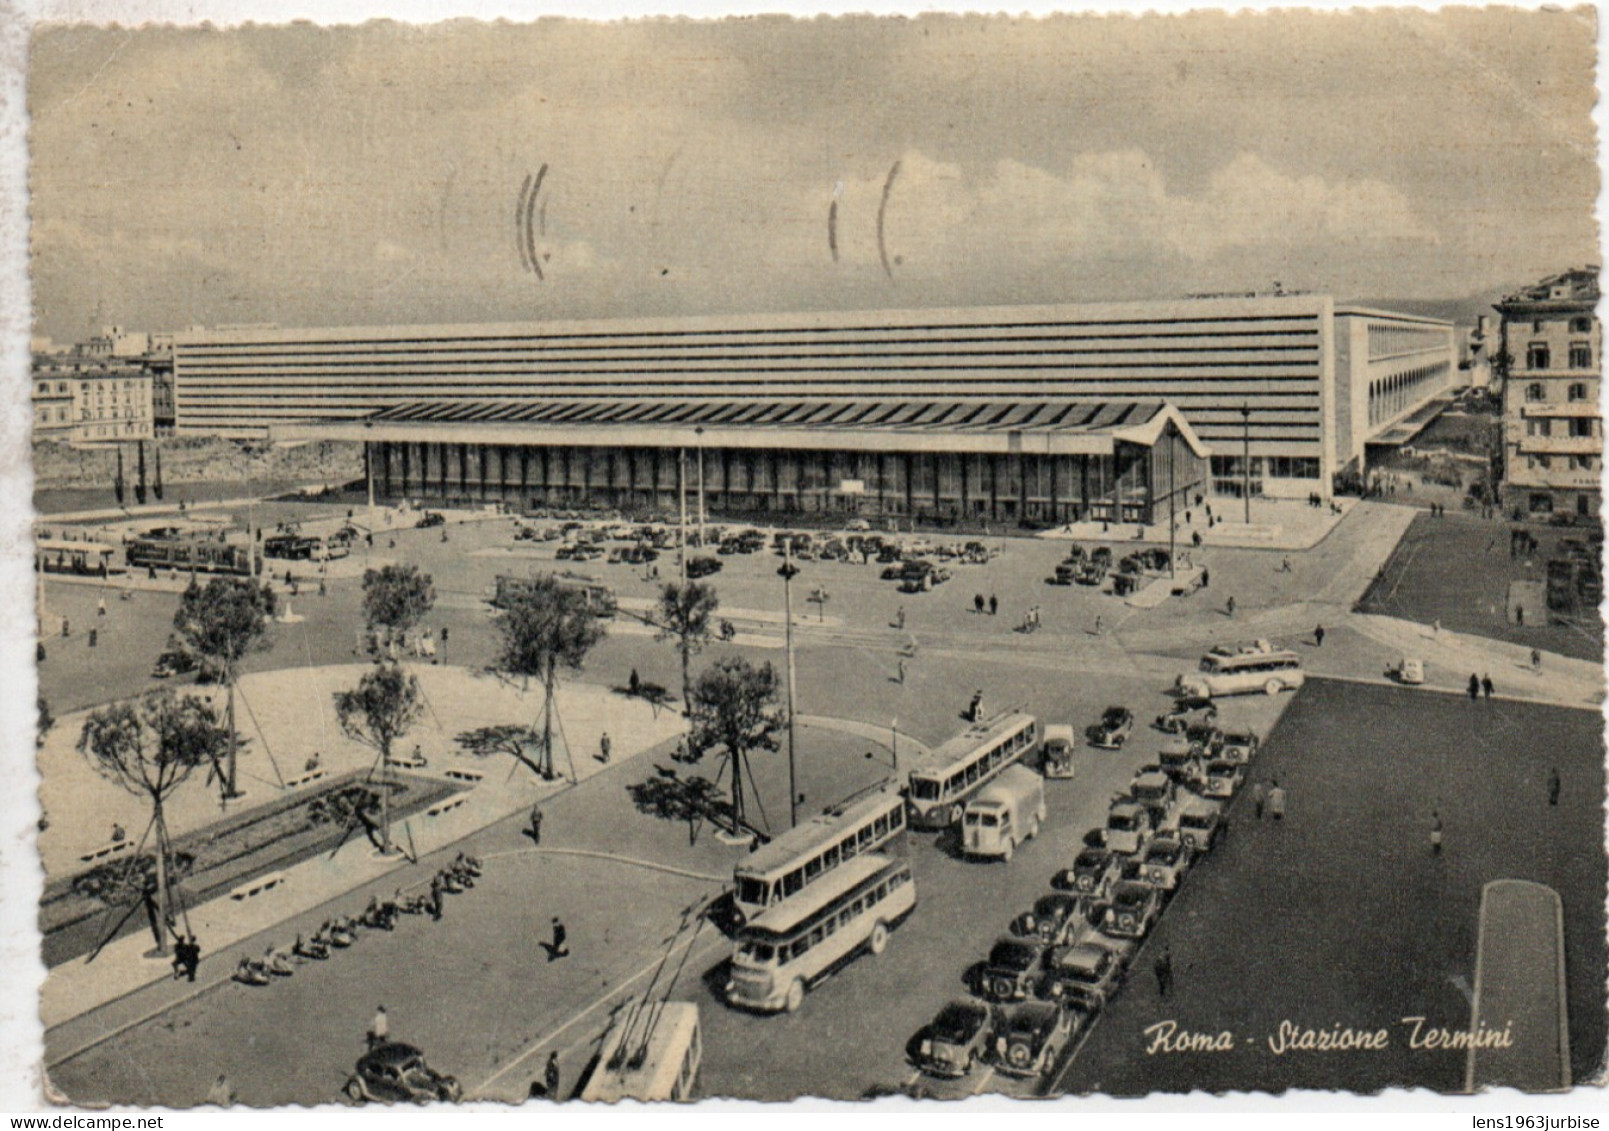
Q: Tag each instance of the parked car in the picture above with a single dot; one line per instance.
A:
(1116, 724)
(1093, 873)
(1205, 735)
(1013, 968)
(1224, 779)
(1200, 823)
(1239, 745)
(1181, 761)
(429, 519)
(394, 1072)
(1086, 973)
(1031, 1037)
(1090, 573)
(1133, 910)
(1155, 791)
(1128, 828)
(1409, 670)
(1058, 918)
(953, 1043)
(702, 567)
(1164, 864)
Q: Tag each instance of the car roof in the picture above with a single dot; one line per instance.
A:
(394, 1053)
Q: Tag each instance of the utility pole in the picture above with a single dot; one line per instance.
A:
(699, 432)
(368, 468)
(1245, 467)
(1173, 501)
(787, 573)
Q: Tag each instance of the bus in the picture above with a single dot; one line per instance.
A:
(653, 1055)
(1270, 672)
(943, 780)
(181, 552)
(805, 853)
(600, 598)
(790, 947)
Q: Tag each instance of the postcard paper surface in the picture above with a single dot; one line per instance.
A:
(852, 557)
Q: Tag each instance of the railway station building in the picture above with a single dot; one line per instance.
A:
(1045, 413)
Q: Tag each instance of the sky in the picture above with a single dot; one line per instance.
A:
(384, 173)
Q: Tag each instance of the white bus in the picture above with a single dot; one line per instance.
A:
(800, 941)
(804, 854)
(1271, 672)
(652, 1054)
(943, 780)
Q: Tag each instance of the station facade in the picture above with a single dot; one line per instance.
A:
(1276, 394)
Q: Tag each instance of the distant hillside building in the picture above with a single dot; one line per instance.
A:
(1552, 347)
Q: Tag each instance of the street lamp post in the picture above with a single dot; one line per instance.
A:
(681, 492)
(787, 573)
(1173, 502)
(368, 468)
(1245, 467)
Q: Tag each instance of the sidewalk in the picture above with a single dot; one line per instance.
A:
(1276, 524)
(458, 701)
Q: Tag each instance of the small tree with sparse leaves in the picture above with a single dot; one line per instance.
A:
(735, 707)
(686, 614)
(546, 626)
(222, 622)
(693, 800)
(379, 711)
(395, 599)
(514, 739)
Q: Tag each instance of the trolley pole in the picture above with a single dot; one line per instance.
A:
(787, 573)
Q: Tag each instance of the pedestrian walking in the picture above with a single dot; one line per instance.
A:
(556, 949)
(1206, 578)
(550, 1076)
(379, 1028)
(536, 823)
(994, 606)
(1519, 615)
(605, 746)
(435, 898)
(1553, 786)
(100, 607)
(1097, 626)
(977, 604)
(1474, 687)
(1285, 565)
(902, 672)
(1258, 797)
(899, 618)
(1487, 686)
(1276, 801)
(1164, 972)
(1536, 659)
(1318, 636)
(1230, 605)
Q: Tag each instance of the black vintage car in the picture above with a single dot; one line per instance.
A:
(393, 1072)
(429, 519)
(1013, 968)
(703, 567)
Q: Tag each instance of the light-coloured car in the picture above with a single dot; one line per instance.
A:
(1200, 823)
(1128, 827)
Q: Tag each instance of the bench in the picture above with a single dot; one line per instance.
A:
(448, 806)
(261, 884)
(104, 851)
(306, 779)
(464, 775)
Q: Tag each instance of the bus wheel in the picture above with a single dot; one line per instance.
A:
(1010, 849)
(796, 994)
(879, 941)
(1273, 687)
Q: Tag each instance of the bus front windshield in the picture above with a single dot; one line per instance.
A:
(752, 890)
(924, 789)
(756, 953)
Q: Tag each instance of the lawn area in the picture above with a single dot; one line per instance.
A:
(1457, 570)
(1340, 914)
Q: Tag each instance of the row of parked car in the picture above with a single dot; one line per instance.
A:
(1060, 962)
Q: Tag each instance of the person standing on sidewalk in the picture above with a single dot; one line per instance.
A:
(1474, 687)
(1276, 801)
(1487, 686)
(1164, 972)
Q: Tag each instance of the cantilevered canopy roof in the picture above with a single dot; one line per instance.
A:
(997, 425)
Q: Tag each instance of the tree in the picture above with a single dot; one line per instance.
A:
(150, 748)
(692, 800)
(513, 739)
(546, 626)
(395, 599)
(735, 707)
(381, 709)
(221, 623)
(685, 615)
